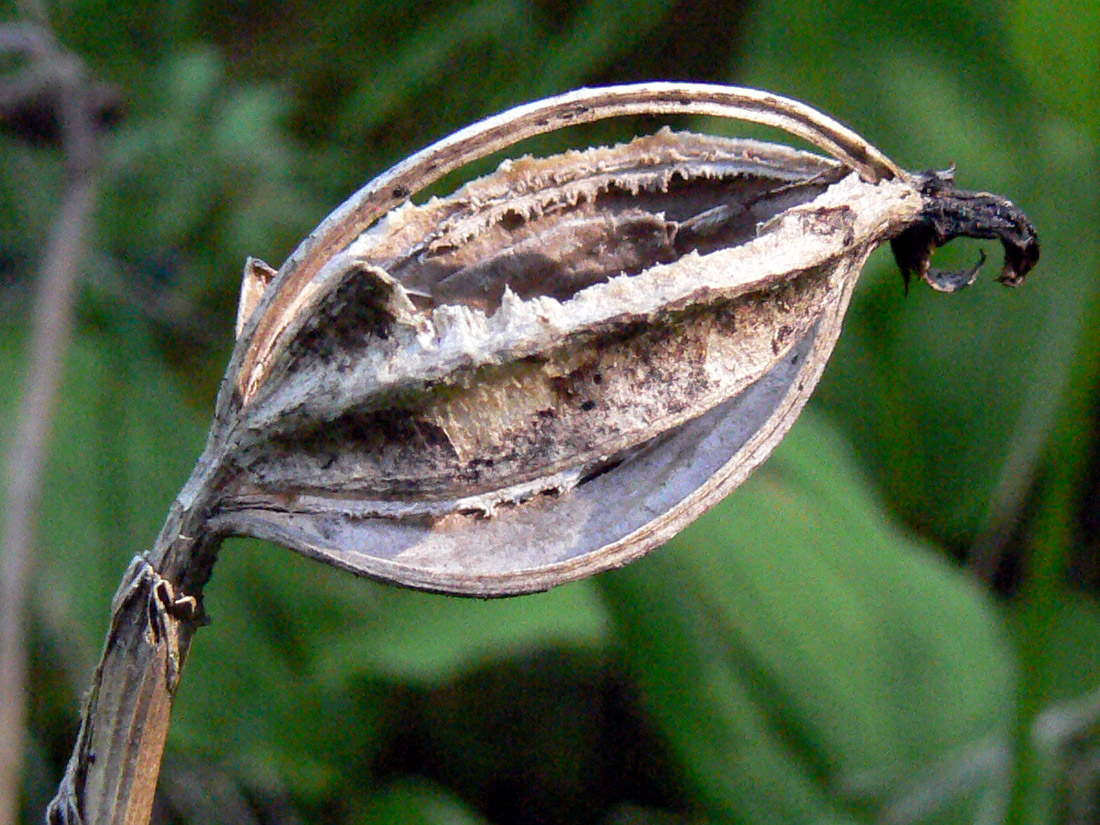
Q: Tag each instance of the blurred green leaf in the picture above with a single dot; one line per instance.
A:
(425, 55)
(635, 815)
(251, 696)
(1062, 59)
(950, 397)
(1071, 651)
(1059, 718)
(1056, 43)
(297, 675)
(415, 803)
(29, 181)
(123, 444)
(600, 30)
(804, 658)
(424, 639)
(202, 178)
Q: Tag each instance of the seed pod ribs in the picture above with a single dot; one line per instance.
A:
(555, 368)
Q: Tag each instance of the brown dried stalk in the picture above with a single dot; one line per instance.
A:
(59, 73)
(540, 377)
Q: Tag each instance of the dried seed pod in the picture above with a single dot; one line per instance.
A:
(542, 376)
(556, 368)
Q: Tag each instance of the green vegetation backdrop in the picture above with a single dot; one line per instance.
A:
(900, 599)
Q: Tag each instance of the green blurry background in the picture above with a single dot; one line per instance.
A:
(903, 596)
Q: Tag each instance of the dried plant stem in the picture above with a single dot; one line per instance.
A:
(112, 774)
(51, 331)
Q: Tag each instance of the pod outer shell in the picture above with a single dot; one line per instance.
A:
(604, 523)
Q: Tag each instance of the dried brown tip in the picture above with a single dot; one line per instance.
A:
(257, 276)
(951, 213)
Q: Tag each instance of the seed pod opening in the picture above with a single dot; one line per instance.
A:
(556, 368)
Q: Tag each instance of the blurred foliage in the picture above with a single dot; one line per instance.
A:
(903, 597)
(830, 666)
